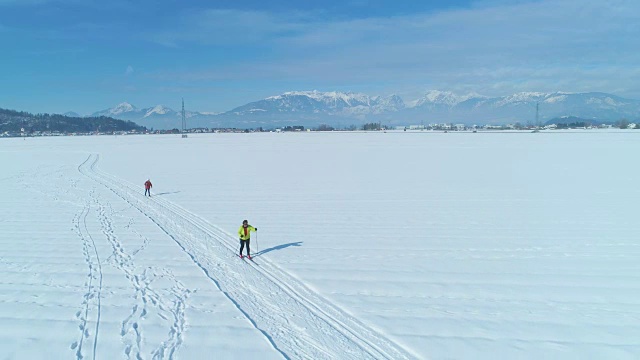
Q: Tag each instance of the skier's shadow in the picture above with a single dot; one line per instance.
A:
(279, 247)
(165, 193)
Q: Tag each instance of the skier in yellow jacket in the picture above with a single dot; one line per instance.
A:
(245, 237)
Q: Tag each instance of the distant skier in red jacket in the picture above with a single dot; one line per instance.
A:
(147, 187)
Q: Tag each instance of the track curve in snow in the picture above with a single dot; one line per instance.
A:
(298, 322)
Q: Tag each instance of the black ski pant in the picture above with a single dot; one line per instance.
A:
(147, 191)
(242, 243)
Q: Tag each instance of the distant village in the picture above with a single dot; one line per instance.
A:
(517, 126)
(366, 127)
(429, 127)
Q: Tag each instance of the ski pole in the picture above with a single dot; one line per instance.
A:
(257, 247)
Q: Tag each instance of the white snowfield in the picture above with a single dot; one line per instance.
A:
(391, 245)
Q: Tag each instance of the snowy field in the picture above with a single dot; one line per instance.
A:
(370, 246)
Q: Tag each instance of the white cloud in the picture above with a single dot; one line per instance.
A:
(491, 47)
(129, 70)
(213, 27)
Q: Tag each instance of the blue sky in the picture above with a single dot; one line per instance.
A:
(87, 55)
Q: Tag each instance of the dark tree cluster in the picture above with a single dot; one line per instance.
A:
(325, 127)
(371, 126)
(572, 125)
(293, 128)
(16, 121)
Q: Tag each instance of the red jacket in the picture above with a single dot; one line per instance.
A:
(147, 185)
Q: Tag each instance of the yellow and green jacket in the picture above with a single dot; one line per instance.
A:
(245, 233)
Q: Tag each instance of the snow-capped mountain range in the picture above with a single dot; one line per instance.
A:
(311, 108)
(157, 117)
(126, 109)
(329, 103)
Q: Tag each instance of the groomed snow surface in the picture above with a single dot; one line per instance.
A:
(390, 245)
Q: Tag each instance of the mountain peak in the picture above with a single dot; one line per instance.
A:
(122, 107)
(328, 103)
(159, 110)
(72, 114)
(438, 97)
(322, 96)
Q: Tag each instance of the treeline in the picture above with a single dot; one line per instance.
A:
(366, 127)
(19, 121)
(573, 125)
(622, 124)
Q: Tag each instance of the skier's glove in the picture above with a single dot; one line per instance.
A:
(256, 229)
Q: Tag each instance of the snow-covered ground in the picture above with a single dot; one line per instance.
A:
(370, 245)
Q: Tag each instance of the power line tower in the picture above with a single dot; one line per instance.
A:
(184, 122)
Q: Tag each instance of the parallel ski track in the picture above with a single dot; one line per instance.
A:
(295, 320)
(93, 291)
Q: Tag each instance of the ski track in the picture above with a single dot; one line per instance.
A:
(170, 309)
(92, 297)
(169, 306)
(296, 321)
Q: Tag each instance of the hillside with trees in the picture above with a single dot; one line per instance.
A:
(12, 122)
